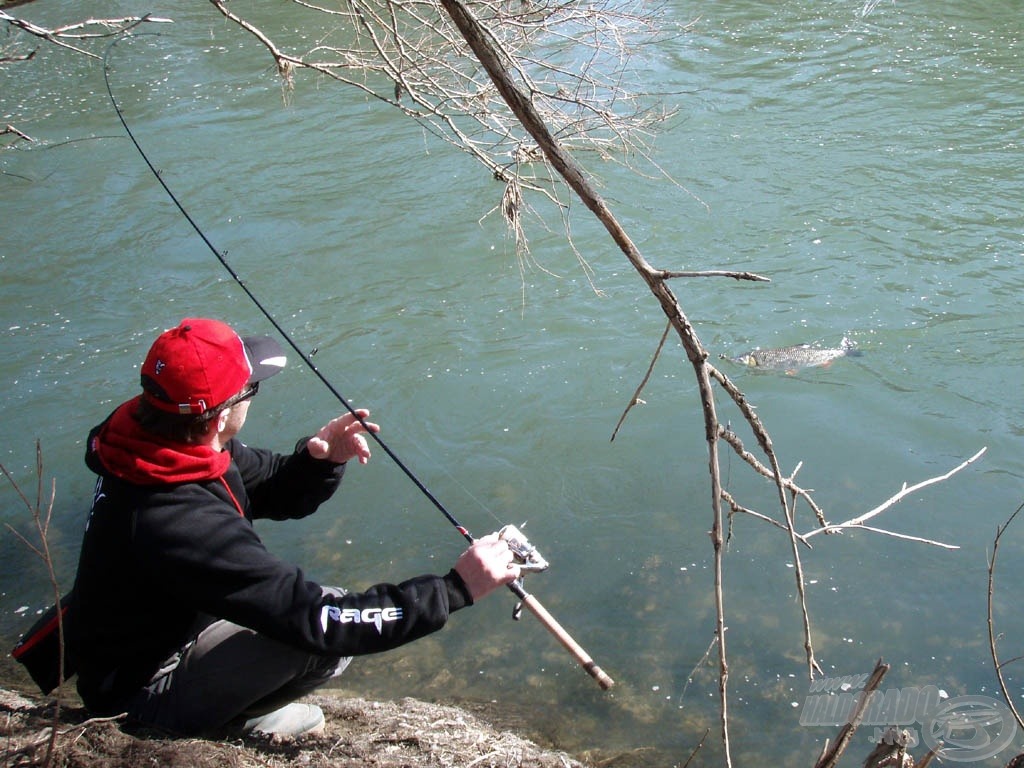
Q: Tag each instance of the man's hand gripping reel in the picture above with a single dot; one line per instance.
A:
(531, 561)
(526, 554)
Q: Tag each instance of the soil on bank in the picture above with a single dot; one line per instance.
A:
(403, 734)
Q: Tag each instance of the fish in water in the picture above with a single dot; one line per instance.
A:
(791, 359)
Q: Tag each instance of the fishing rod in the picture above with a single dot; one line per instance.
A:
(526, 554)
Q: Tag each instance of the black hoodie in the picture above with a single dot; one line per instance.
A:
(170, 546)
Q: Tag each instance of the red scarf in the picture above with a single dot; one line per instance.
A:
(129, 452)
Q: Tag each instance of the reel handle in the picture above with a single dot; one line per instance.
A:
(562, 636)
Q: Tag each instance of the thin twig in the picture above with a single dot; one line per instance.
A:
(894, 499)
(698, 665)
(991, 616)
(696, 749)
(20, 134)
(635, 400)
(737, 508)
(57, 732)
(907, 537)
(753, 276)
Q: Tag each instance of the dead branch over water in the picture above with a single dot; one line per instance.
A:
(75, 36)
(479, 39)
(574, 61)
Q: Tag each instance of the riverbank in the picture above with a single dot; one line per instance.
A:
(386, 734)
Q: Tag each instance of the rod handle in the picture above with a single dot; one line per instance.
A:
(563, 637)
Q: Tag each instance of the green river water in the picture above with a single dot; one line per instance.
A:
(870, 164)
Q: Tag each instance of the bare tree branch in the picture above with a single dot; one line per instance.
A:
(563, 162)
(575, 60)
(858, 522)
(90, 29)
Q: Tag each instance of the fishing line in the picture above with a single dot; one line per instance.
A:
(266, 313)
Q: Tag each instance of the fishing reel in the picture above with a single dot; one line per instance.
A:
(525, 554)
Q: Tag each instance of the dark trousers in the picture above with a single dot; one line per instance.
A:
(228, 673)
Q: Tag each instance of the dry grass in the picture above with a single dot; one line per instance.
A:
(407, 733)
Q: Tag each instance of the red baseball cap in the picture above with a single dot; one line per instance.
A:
(201, 363)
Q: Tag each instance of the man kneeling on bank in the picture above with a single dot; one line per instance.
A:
(181, 617)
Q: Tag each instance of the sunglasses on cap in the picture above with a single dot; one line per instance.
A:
(246, 394)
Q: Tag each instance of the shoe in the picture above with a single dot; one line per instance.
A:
(291, 720)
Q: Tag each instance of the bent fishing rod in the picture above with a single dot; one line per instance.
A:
(525, 553)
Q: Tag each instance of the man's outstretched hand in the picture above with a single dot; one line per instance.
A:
(342, 439)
